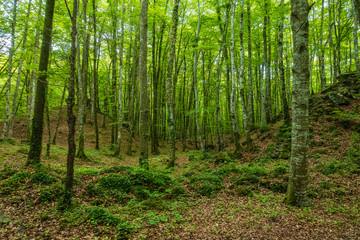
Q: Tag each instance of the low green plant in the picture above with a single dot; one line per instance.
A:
(244, 191)
(14, 182)
(51, 193)
(115, 182)
(206, 184)
(42, 177)
(97, 215)
(6, 172)
(124, 231)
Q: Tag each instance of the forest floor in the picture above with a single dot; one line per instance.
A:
(206, 196)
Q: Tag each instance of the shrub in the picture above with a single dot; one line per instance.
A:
(124, 231)
(42, 177)
(206, 184)
(50, 193)
(97, 215)
(115, 182)
(14, 182)
(244, 192)
(6, 172)
(280, 170)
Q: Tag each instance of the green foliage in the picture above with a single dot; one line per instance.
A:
(92, 190)
(281, 170)
(115, 182)
(97, 215)
(51, 193)
(14, 182)
(332, 167)
(6, 172)
(84, 171)
(124, 231)
(223, 158)
(325, 184)
(42, 177)
(116, 169)
(244, 191)
(206, 184)
(150, 180)
(353, 152)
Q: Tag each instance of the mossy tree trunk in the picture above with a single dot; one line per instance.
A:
(298, 177)
(170, 85)
(144, 99)
(70, 114)
(38, 120)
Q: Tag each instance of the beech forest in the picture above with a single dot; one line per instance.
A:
(179, 119)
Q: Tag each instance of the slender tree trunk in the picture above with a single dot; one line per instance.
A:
(356, 6)
(298, 177)
(5, 131)
(233, 99)
(120, 93)
(196, 55)
(132, 97)
(82, 75)
(170, 85)
(59, 115)
(94, 80)
(267, 56)
(70, 114)
(38, 120)
(250, 73)
(144, 99)
(241, 81)
(48, 127)
(23, 48)
(281, 67)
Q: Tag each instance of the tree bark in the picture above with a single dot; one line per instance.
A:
(38, 120)
(70, 114)
(250, 73)
(298, 177)
(170, 86)
(233, 99)
(144, 99)
(281, 67)
(356, 10)
(5, 131)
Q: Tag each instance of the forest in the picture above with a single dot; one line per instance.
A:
(179, 119)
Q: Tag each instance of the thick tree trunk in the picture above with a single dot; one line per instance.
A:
(144, 99)
(298, 177)
(170, 86)
(38, 120)
(32, 84)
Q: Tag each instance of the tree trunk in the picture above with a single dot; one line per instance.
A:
(38, 120)
(5, 131)
(170, 86)
(94, 81)
(59, 115)
(23, 48)
(120, 93)
(298, 177)
(82, 75)
(356, 6)
(250, 74)
(233, 99)
(281, 67)
(144, 99)
(196, 55)
(267, 57)
(70, 114)
(32, 84)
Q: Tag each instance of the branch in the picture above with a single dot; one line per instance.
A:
(67, 7)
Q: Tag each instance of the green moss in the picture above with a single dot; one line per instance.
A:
(206, 184)
(115, 182)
